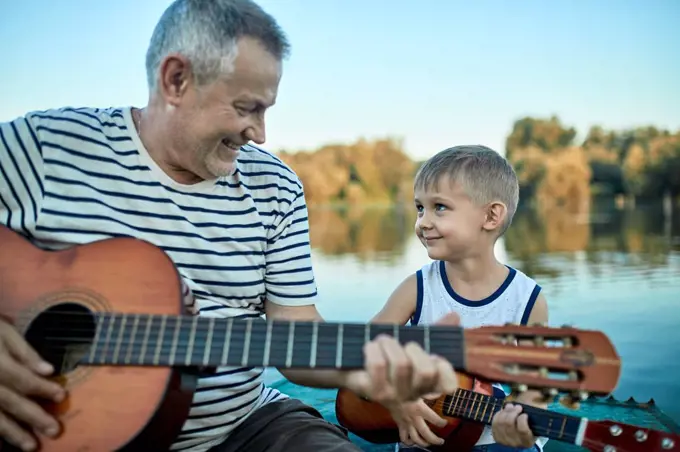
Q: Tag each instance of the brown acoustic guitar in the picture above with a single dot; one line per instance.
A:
(473, 406)
(109, 316)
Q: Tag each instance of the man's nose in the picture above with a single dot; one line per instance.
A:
(256, 132)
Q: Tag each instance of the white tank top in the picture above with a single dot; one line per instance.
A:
(512, 302)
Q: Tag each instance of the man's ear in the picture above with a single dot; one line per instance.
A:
(496, 212)
(175, 78)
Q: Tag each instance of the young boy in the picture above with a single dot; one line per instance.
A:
(466, 197)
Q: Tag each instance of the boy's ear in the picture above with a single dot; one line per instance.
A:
(495, 215)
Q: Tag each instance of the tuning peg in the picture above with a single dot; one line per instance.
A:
(582, 395)
(508, 339)
(516, 389)
(573, 400)
(566, 326)
(549, 393)
(569, 402)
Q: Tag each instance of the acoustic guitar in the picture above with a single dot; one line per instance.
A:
(472, 407)
(109, 316)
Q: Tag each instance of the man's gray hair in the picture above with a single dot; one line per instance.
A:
(206, 32)
(485, 175)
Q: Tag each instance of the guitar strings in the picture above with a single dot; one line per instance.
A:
(200, 327)
(460, 411)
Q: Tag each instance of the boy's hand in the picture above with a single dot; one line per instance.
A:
(510, 427)
(411, 417)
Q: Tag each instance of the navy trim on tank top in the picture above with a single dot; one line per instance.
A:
(471, 303)
(419, 298)
(530, 305)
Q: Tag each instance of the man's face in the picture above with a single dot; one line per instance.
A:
(213, 121)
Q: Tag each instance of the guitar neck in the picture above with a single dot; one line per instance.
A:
(161, 340)
(478, 407)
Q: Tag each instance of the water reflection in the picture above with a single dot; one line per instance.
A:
(362, 231)
(647, 231)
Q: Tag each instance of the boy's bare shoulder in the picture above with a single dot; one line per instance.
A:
(402, 302)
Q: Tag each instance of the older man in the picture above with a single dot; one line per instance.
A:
(181, 174)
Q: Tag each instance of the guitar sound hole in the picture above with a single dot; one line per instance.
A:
(62, 335)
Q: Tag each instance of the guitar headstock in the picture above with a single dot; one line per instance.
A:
(551, 360)
(606, 436)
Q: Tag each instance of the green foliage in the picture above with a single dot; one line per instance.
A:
(553, 169)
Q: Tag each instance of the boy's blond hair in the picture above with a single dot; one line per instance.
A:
(485, 175)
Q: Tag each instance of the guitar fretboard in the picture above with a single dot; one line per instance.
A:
(481, 408)
(158, 340)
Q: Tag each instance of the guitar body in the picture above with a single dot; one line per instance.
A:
(107, 407)
(373, 422)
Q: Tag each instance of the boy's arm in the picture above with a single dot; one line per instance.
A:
(538, 315)
(401, 304)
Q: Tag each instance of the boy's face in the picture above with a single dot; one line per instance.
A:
(449, 224)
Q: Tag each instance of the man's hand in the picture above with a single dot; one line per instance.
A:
(411, 417)
(22, 374)
(394, 374)
(510, 427)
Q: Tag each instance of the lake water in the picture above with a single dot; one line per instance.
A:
(614, 270)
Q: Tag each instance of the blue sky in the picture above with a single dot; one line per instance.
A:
(435, 72)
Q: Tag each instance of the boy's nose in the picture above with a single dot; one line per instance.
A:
(424, 222)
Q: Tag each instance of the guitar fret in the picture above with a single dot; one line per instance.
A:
(458, 401)
(145, 340)
(338, 350)
(426, 338)
(109, 331)
(227, 343)
(175, 337)
(121, 331)
(157, 353)
(486, 407)
(208, 341)
(315, 336)
(95, 341)
(267, 344)
(479, 404)
(246, 345)
(395, 332)
(192, 338)
(289, 350)
(131, 345)
(367, 333)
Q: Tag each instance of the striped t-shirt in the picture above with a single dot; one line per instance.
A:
(71, 176)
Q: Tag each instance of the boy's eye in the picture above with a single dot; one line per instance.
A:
(419, 208)
(439, 207)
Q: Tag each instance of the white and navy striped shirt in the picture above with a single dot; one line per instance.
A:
(71, 176)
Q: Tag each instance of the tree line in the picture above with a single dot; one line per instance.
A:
(554, 169)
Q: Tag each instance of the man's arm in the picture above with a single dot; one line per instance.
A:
(290, 283)
(315, 378)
